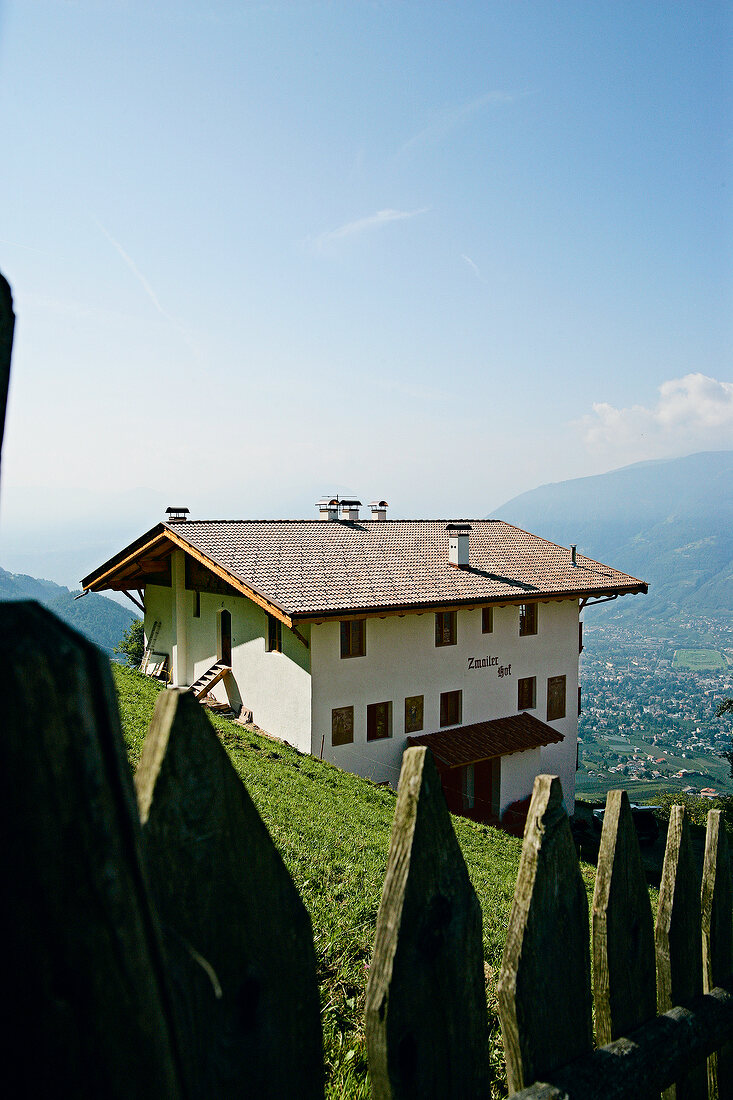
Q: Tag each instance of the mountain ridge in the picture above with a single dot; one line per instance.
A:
(668, 522)
(100, 619)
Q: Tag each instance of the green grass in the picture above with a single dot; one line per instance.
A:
(333, 831)
(699, 660)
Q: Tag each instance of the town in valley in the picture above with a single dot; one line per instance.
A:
(648, 718)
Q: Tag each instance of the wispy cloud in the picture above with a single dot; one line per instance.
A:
(450, 118)
(474, 267)
(693, 413)
(136, 272)
(364, 225)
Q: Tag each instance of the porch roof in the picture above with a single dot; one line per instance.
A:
(461, 745)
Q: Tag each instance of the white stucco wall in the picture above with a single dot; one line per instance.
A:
(402, 660)
(274, 686)
(518, 772)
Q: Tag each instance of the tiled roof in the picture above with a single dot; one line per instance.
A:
(463, 745)
(308, 567)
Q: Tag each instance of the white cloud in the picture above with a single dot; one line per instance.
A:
(450, 118)
(474, 267)
(692, 413)
(363, 225)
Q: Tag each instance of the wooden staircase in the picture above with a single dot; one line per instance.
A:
(212, 676)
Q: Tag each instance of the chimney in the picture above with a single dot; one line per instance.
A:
(573, 554)
(176, 515)
(379, 509)
(458, 534)
(350, 510)
(328, 508)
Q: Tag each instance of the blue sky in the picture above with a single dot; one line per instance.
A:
(439, 253)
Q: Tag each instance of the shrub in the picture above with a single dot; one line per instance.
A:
(132, 644)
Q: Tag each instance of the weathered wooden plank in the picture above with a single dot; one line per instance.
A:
(544, 984)
(7, 325)
(678, 941)
(624, 976)
(251, 1014)
(647, 1060)
(717, 939)
(426, 1017)
(83, 962)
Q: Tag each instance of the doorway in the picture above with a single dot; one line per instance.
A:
(225, 638)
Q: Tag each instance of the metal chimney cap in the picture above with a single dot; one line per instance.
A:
(347, 502)
(459, 528)
(177, 515)
(379, 504)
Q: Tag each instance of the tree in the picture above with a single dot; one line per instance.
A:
(132, 643)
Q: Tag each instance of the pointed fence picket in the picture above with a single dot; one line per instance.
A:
(639, 1053)
(426, 1022)
(156, 946)
(234, 924)
(717, 937)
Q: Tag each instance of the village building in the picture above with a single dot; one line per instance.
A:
(352, 638)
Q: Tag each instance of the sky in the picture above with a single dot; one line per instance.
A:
(434, 253)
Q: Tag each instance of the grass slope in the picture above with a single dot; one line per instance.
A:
(333, 831)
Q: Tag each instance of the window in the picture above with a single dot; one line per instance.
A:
(379, 721)
(414, 713)
(527, 619)
(487, 620)
(274, 634)
(342, 725)
(450, 708)
(580, 637)
(353, 638)
(527, 693)
(555, 698)
(445, 628)
(197, 605)
(579, 702)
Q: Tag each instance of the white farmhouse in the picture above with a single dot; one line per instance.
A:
(352, 638)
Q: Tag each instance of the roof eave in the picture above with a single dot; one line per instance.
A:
(95, 581)
(473, 601)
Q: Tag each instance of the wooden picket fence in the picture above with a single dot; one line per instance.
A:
(155, 944)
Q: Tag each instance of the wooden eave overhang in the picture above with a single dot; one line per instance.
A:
(126, 569)
(422, 608)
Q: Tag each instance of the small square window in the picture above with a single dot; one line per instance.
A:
(450, 708)
(527, 619)
(342, 725)
(274, 634)
(414, 713)
(445, 628)
(487, 620)
(353, 638)
(527, 693)
(555, 698)
(379, 721)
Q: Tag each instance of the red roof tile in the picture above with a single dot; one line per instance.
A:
(317, 567)
(463, 745)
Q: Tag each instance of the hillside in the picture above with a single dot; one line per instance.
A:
(100, 619)
(333, 831)
(668, 522)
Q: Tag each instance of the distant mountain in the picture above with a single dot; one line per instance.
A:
(669, 523)
(102, 620)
